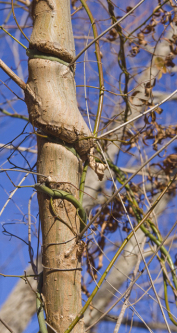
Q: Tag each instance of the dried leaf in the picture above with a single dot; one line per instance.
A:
(141, 39)
(128, 9)
(99, 168)
(134, 51)
(148, 87)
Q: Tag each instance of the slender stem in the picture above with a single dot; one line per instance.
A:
(157, 240)
(136, 279)
(65, 196)
(15, 115)
(101, 96)
(123, 67)
(39, 306)
(126, 240)
(100, 68)
(105, 31)
(17, 22)
(157, 8)
(121, 178)
(127, 181)
(82, 182)
(18, 276)
(166, 301)
(139, 116)
(121, 59)
(13, 76)
(7, 326)
(13, 37)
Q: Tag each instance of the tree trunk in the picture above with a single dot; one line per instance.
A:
(62, 290)
(54, 111)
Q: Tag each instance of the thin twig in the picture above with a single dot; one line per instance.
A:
(142, 271)
(29, 172)
(29, 150)
(12, 193)
(13, 76)
(105, 31)
(125, 305)
(127, 181)
(34, 268)
(7, 326)
(137, 117)
(17, 22)
(126, 240)
(13, 37)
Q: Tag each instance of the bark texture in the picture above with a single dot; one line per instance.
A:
(52, 32)
(62, 289)
(54, 111)
(54, 107)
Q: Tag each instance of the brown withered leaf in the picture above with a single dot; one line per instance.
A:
(144, 101)
(172, 3)
(134, 95)
(113, 34)
(174, 36)
(169, 61)
(103, 227)
(158, 12)
(175, 263)
(73, 4)
(166, 18)
(158, 133)
(153, 117)
(174, 20)
(154, 22)
(100, 261)
(128, 8)
(172, 42)
(158, 110)
(134, 50)
(150, 27)
(148, 87)
(90, 264)
(170, 163)
(126, 228)
(141, 39)
(85, 290)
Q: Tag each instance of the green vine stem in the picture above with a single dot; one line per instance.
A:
(82, 182)
(35, 54)
(107, 30)
(39, 306)
(64, 196)
(15, 115)
(126, 240)
(17, 21)
(101, 94)
(166, 301)
(121, 60)
(99, 63)
(67, 196)
(13, 37)
(137, 211)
